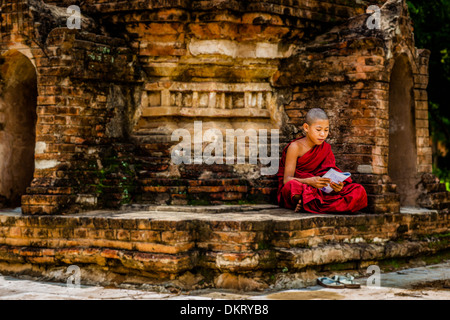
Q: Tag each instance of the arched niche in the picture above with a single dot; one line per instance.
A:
(402, 132)
(18, 99)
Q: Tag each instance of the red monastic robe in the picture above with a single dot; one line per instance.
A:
(316, 162)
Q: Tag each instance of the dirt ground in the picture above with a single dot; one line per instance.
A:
(430, 282)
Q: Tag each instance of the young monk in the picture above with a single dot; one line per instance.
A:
(303, 162)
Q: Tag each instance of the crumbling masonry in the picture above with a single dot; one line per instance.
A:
(101, 102)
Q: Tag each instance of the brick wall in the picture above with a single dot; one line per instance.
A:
(111, 94)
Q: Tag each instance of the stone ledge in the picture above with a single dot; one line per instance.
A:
(165, 242)
(201, 209)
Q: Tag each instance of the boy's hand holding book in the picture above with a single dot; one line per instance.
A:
(318, 182)
(337, 187)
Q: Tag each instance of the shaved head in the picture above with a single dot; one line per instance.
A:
(315, 114)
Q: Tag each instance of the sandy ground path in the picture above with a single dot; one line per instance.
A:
(424, 283)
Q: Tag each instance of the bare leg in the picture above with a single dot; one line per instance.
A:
(298, 200)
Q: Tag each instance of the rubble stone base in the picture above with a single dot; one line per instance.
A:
(246, 247)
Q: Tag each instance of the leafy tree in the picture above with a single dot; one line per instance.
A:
(431, 21)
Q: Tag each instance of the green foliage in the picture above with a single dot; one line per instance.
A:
(444, 175)
(121, 172)
(127, 181)
(263, 245)
(431, 21)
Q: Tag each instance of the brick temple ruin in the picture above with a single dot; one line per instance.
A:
(86, 118)
(101, 102)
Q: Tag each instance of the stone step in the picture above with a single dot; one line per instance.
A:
(164, 242)
(208, 191)
(191, 182)
(200, 209)
(435, 200)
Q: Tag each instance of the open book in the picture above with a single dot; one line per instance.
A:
(336, 177)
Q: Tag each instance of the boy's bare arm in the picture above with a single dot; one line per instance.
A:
(291, 162)
(289, 169)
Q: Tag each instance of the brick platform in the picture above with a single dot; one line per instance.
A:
(161, 244)
(109, 96)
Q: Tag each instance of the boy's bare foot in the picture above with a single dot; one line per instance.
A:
(299, 206)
